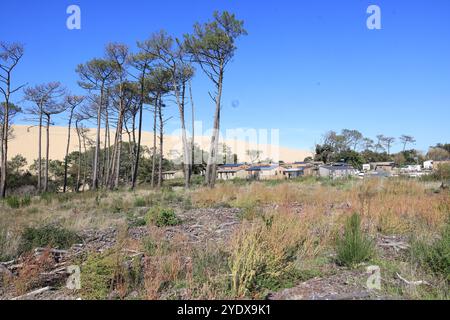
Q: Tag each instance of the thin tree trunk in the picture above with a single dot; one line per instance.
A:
(138, 152)
(131, 152)
(47, 152)
(186, 152)
(77, 187)
(97, 142)
(154, 144)
(191, 169)
(85, 162)
(107, 147)
(211, 168)
(161, 144)
(67, 150)
(119, 152)
(4, 160)
(40, 153)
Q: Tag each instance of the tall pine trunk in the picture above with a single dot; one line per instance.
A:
(97, 141)
(77, 187)
(138, 151)
(161, 144)
(211, 169)
(47, 152)
(67, 150)
(154, 144)
(40, 153)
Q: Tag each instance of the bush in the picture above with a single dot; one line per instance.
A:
(16, 202)
(98, 275)
(354, 247)
(264, 252)
(13, 202)
(140, 202)
(162, 216)
(434, 256)
(49, 235)
(47, 197)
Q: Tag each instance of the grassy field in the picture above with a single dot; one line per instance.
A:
(173, 243)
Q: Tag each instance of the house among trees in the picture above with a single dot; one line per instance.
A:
(171, 175)
(382, 166)
(292, 173)
(266, 172)
(232, 171)
(337, 171)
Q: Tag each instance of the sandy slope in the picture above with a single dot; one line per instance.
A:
(25, 142)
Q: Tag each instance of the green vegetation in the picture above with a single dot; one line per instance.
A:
(98, 275)
(434, 256)
(162, 216)
(354, 246)
(49, 235)
(16, 202)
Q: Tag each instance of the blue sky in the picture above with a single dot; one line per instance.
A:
(306, 66)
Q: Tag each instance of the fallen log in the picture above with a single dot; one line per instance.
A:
(412, 283)
(32, 293)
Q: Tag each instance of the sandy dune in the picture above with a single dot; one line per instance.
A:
(25, 142)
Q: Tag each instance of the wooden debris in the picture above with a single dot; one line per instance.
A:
(412, 283)
(393, 242)
(32, 293)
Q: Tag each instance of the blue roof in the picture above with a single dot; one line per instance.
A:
(339, 167)
(263, 168)
(294, 170)
(232, 165)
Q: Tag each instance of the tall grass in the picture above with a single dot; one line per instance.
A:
(264, 253)
(354, 246)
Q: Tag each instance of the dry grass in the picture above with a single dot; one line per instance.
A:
(292, 224)
(394, 206)
(269, 249)
(165, 264)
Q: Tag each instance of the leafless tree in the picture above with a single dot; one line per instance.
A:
(96, 74)
(119, 55)
(142, 62)
(405, 139)
(72, 102)
(10, 56)
(172, 55)
(48, 111)
(43, 96)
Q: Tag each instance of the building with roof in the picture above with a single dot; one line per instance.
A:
(292, 173)
(232, 171)
(266, 172)
(337, 171)
(170, 175)
(382, 166)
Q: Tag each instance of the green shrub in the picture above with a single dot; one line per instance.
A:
(107, 272)
(13, 202)
(25, 201)
(135, 221)
(49, 235)
(354, 247)
(16, 202)
(140, 202)
(434, 256)
(162, 216)
(117, 205)
(47, 197)
(97, 276)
